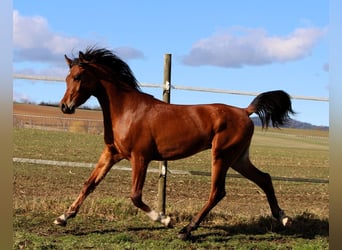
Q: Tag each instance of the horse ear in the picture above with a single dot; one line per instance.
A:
(68, 60)
(81, 56)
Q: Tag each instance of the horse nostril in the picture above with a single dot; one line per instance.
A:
(66, 109)
(62, 107)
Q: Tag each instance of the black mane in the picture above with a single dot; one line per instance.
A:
(117, 67)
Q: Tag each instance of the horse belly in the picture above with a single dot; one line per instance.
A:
(175, 146)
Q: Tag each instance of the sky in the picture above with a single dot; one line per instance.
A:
(250, 46)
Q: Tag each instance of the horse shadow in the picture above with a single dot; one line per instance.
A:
(306, 226)
(83, 232)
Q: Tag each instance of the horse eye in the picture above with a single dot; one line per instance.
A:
(77, 77)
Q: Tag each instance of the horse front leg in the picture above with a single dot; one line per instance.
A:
(107, 159)
(139, 169)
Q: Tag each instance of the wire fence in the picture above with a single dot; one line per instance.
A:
(96, 126)
(187, 88)
(155, 170)
(91, 126)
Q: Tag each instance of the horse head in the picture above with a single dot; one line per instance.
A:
(80, 84)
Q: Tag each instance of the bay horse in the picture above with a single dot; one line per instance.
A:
(140, 128)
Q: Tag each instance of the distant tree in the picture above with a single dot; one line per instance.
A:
(48, 104)
(57, 105)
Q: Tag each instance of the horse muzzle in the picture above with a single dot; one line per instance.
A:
(68, 109)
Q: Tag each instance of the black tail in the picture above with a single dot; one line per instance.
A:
(272, 105)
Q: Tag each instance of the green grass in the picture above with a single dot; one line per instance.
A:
(108, 220)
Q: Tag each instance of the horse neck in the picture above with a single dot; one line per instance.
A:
(113, 102)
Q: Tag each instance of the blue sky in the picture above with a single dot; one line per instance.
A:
(252, 46)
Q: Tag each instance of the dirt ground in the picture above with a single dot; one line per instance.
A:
(31, 109)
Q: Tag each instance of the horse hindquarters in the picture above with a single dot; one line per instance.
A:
(227, 147)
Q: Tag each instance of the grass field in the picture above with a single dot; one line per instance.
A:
(108, 220)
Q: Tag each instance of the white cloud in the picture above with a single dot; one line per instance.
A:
(128, 53)
(35, 41)
(239, 46)
(20, 97)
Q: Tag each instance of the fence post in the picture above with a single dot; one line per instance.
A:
(163, 164)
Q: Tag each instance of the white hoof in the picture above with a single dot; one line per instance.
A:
(284, 221)
(283, 218)
(159, 217)
(166, 220)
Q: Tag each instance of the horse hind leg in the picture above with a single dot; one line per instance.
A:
(264, 181)
(217, 193)
(106, 161)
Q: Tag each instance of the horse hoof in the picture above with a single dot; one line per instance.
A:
(284, 219)
(184, 234)
(60, 222)
(166, 220)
